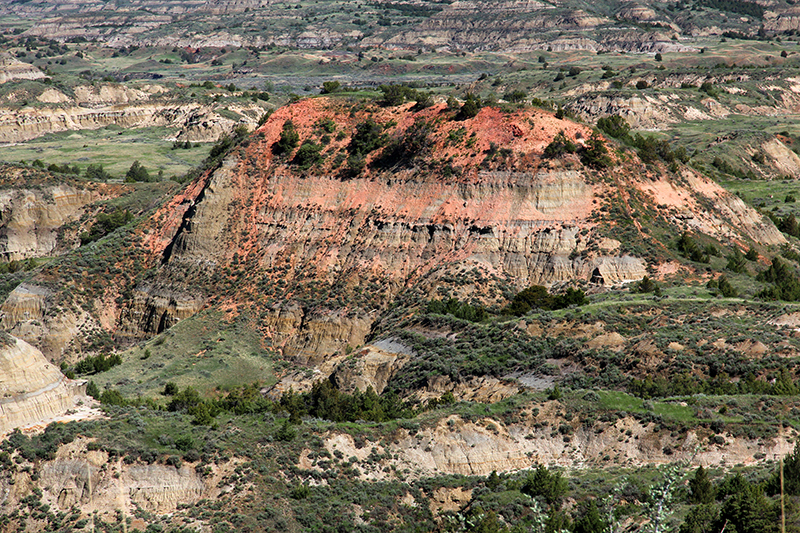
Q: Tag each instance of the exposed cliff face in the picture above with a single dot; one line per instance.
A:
(95, 482)
(94, 107)
(455, 446)
(31, 388)
(12, 69)
(31, 219)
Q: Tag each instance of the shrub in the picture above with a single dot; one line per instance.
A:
(614, 126)
(137, 173)
(642, 84)
(330, 87)
(471, 107)
(595, 154)
(559, 146)
(308, 155)
(288, 140)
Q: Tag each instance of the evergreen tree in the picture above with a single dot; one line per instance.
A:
(701, 519)
(701, 489)
(137, 172)
(590, 521)
(470, 108)
(289, 139)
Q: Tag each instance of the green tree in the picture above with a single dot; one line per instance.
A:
(595, 154)
(394, 95)
(708, 88)
(493, 482)
(614, 126)
(308, 155)
(701, 519)
(791, 475)
(700, 488)
(726, 288)
(471, 107)
(646, 285)
(590, 520)
(737, 262)
(515, 96)
(330, 87)
(137, 172)
(111, 397)
(784, 384)
(559, 146)
(96, 173)
(288, 140)
(545, 484)
(368, 137)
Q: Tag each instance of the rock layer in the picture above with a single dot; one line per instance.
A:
(32, 389)
(31, 219)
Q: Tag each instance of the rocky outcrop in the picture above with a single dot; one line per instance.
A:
(155, 310)
(782, 157)
(31, 219)
(29, 123)
(12, 69)
(97, 108)
(373, 366)
(94, 481)
(32, 389)
(308, 336)
(28, 313)
(641, 112)
(456, 446)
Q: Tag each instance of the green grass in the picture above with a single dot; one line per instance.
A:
(203, 351)
(113, 147)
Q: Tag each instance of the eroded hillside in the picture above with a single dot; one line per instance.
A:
(372, 202)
